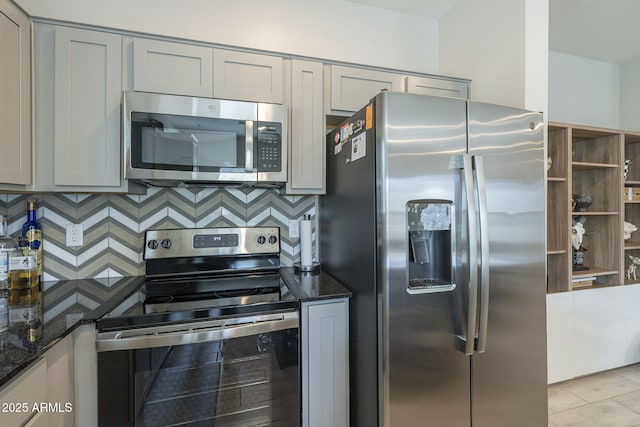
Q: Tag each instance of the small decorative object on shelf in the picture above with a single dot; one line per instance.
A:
(628, 229)
(577, 234)
(582, 201)
(631, 270)
(627, 164)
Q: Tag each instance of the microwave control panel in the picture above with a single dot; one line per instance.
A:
(269, 147)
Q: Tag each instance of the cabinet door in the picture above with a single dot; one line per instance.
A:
(247, 76)
(173, 68)
(325, 361)
(15, 95)
(60, 381)
(352, 88)
(306, 141)
(20, 395)
(437, 87)
(87, 107)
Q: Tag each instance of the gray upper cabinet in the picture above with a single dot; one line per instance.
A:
(15, 95)
(78, 92)
(307, 135)
(348, 89)
(437, 87)
(247, 76)
(351, 88)
(173, 68)
(192, 70)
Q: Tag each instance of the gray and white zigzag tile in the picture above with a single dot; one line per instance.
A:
(114, 225)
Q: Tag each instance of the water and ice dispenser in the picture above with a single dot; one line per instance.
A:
(430, 248)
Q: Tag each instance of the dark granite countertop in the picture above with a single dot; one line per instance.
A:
(65, 305)
(69, 303)
(313, 286)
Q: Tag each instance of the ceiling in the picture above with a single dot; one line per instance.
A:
(597, 29)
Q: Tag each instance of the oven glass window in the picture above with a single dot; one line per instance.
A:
(244, 381)
(183, 143)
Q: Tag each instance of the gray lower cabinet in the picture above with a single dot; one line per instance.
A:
(22, 393)
(306, 166)
(51, 380)
(78, 92)
(15, 95)
(325, 363)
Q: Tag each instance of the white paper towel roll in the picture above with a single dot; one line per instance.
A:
(306, 259)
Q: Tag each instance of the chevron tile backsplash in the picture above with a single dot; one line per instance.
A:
(114, 224)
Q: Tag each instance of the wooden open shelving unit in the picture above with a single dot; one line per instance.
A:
(589, 160)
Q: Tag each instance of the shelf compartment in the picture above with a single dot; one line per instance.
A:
(631, 245)
(556, 251)
(601, 213)
(590, 165)
(593, 272)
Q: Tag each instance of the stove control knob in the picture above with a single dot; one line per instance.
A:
(273, 239)
(261, 240)
(153, 244)
(166, 243)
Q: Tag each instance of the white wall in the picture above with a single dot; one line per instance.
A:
(330, 29)
(584, 91)
(501, 45)
(630, 95)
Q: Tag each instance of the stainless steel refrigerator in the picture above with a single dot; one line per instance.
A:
(435, 218)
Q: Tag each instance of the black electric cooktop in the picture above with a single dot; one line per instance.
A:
(176, 300)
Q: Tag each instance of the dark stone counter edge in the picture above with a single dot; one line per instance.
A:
(306, 287)
(57, 328)
(313, 286)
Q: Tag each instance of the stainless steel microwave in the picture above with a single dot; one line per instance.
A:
(172, 140)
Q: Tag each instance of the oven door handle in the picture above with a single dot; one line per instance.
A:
(195, 332)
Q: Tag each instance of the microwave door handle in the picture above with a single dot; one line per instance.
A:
(194, 153)
(248, 162)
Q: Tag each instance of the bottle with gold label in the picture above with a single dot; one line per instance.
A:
(32, 230)
(23, 267)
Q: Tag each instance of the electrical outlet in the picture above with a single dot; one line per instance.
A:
(294, 229)
(74, 235)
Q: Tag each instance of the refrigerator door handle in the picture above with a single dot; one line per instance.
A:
(481, 193)
(472, 311)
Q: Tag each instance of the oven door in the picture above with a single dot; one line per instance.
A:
(224, 372)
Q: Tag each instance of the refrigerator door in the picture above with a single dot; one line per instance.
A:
(422, 282)
(509, 379)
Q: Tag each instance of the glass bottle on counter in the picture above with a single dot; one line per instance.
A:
(23, 268)
(32, 231)
(4, 321)
(24, 316)
(7, 249)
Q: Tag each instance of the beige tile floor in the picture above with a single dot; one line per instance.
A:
(610, 398)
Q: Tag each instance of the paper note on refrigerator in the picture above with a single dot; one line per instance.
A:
(359, 147)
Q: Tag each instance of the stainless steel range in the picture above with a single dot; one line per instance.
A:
(210, 338)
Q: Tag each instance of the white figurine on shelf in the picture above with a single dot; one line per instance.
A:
(631, 270)
(577, 234)
(628, 229)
